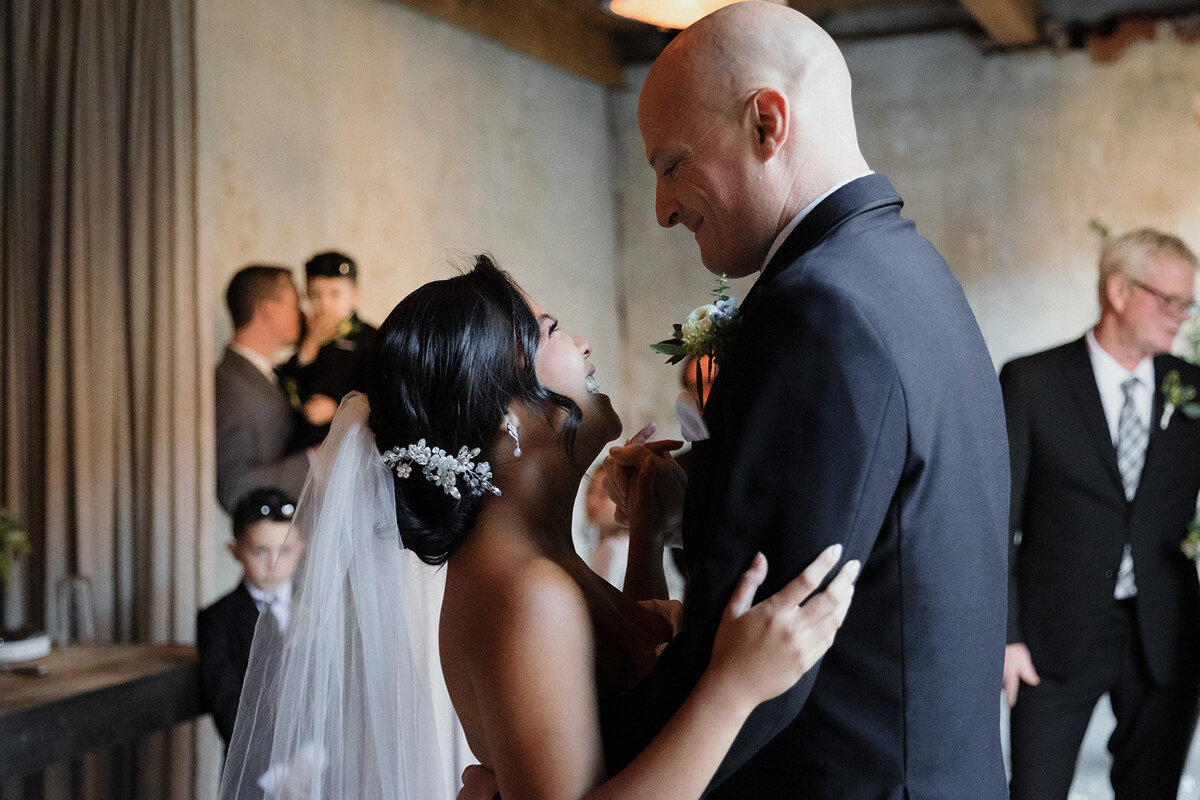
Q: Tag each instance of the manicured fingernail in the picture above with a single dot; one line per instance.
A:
(853, 568)
(834, 552)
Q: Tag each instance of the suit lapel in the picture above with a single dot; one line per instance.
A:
(860, 195)
(242, 364)
(247, 616)
(1081, 382)
(1156, 431)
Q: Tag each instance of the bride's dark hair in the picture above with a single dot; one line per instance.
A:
(447, 363)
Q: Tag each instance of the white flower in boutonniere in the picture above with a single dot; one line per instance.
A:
(706, 334)
(1191, 543)
(1177, 396)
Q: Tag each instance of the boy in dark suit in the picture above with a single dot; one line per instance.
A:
(225, 630)
(332, 355)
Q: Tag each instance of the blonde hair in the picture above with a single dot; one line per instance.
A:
(1130, 254)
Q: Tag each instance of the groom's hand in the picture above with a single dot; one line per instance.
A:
(1018, 669)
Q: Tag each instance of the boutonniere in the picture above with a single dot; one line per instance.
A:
(706, 334)
(346, 327)
(1177, 396)
(1191, 543)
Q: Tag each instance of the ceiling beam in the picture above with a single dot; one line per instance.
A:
(548, 31)
(1006, 21)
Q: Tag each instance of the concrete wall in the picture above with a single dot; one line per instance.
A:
(1002, 161)
(365, 126)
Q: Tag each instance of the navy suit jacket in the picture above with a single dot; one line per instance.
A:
(858, 405)
(1069, 504)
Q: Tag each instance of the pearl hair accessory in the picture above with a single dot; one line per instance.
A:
(441, 469)
(516, 437)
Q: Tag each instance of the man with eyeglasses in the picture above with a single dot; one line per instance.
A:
(1105, 478)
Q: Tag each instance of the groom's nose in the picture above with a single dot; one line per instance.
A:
(666, 207)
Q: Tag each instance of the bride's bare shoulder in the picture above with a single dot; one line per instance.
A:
(504, 592)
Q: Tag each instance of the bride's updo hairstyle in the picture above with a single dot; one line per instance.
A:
(447, 363)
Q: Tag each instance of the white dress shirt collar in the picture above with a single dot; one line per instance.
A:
(281, 601)
(260, 362)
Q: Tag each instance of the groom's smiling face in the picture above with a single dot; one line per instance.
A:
(708, 178)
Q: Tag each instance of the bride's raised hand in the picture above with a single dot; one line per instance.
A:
(652, 485)
(762, 649)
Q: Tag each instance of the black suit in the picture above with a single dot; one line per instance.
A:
(339, 368)
(858, 405)
(1069, 504)
(224, 633)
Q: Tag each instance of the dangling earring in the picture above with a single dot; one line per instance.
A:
(512, 431)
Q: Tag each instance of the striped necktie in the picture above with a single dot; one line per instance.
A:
(1132, 435)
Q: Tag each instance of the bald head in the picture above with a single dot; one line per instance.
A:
(756, 96)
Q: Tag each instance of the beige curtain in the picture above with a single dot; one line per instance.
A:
(105, 356)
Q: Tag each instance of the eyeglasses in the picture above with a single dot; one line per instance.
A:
(1168, 302)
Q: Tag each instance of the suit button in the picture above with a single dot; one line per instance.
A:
(1108, 573)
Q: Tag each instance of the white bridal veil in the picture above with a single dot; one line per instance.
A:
(343, 705)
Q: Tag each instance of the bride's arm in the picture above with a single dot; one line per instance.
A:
(535, 685)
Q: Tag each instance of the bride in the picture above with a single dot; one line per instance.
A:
(468, 450)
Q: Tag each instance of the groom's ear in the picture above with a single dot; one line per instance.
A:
(768, 119)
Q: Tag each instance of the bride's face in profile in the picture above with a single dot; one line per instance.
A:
(563, 365)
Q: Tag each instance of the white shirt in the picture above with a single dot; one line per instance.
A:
(260, 362)
(1109, 377)
(610, 557)
(281, 601)
(791, 226)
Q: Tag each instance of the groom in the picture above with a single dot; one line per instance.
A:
(857, 405)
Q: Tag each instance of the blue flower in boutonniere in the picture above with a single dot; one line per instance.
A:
(1177, 396)
(706, 334)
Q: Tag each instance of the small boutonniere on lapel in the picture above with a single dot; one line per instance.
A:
(1191, 543)
(1177, 396)
(706, 334)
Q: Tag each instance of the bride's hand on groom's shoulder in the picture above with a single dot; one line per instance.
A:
(647, 485)
(762, 649)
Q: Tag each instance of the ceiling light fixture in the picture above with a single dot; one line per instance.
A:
(667, 13)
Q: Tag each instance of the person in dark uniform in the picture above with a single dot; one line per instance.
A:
(333, 351)
(225, 629)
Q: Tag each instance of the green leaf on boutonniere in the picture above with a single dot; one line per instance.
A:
(1177, 396)
(671, 347)
(1191, 543)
